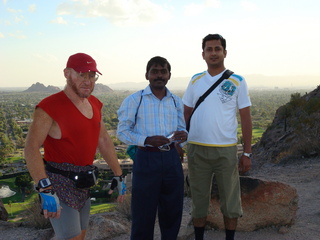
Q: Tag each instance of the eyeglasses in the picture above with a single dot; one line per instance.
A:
(166, 147)
(89, 76)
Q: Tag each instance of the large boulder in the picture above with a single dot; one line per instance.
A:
(107, 225)
(264, 203)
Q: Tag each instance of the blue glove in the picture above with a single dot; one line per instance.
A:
(118, 182)
(49, 201)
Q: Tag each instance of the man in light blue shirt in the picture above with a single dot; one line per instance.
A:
(153, 120)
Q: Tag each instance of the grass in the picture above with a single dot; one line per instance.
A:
(104, 207)
(15, 209)
(257, 132)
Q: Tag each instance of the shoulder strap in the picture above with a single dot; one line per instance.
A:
(225, 75)
(135, 116)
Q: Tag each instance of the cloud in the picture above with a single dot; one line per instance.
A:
(213, 3)
(44, 57)
(18, 34)
(59, 20)
(18, 19)
(195, 9)
(1, 35)
(249, 6)
(11, 10)
(118, 12)
(32, 8)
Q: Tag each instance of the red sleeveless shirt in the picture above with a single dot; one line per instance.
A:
(79, 135)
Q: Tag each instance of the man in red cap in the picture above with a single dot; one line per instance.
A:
(69, 125)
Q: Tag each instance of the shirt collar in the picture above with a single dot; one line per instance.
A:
(147, 91)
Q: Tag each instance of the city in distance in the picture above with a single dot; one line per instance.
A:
(254, 81)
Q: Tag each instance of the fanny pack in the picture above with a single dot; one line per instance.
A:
(83, 179)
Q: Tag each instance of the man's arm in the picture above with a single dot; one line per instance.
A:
(109, 154)
(187, 113)
(37, 133)
(108, 151)
(246, 127)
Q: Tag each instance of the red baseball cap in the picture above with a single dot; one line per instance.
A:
(82, 62)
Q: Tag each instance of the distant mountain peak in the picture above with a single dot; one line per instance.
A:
(39, 87)
(99, 88)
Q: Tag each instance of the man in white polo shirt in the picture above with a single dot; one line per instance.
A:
(212, 148)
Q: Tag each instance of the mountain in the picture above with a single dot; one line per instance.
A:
(39, 87)
(101, 89)
(294, 132)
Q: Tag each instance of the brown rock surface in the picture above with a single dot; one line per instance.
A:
(265, 203)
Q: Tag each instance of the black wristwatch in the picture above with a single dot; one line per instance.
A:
(43, 183)
(249, 155)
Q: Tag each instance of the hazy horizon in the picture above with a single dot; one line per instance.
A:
(180, 83)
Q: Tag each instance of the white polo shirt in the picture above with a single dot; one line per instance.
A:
(214, 123)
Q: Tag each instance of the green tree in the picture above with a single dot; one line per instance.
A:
(23, 181)
(6, 147)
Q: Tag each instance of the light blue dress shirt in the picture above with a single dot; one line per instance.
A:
(152, 117)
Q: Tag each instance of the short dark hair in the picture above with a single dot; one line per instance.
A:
(158, 60)
(214, 37)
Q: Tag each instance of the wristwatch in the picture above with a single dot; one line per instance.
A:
(43, 183)
(249, 155)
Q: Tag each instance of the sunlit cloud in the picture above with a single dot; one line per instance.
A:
(195, 9)
(18, 34)
(45, 57)
(1, 35)
(11, 10)
(18, 19)
(213, 3)
(249, 6)
(32, 8)
(59, 20)
(118, 12)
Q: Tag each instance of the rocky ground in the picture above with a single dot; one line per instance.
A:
(302, 174)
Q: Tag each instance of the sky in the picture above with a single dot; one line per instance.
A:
(264, 37)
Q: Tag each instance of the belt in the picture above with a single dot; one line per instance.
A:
(156, 149)
(69, 174)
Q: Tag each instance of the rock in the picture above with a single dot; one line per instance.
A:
(3, 212)
(264, 203)
(293, 133)
(283, 230)
(107, 225)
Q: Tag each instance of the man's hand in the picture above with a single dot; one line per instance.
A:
(244, 164)
(180, 151)
(180, 136)
(50, 204)
(118, 182)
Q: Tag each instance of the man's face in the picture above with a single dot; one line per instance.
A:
(158, 76)
(81, 83)
(214, 53)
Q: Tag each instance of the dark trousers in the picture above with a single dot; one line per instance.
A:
(157, 185)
